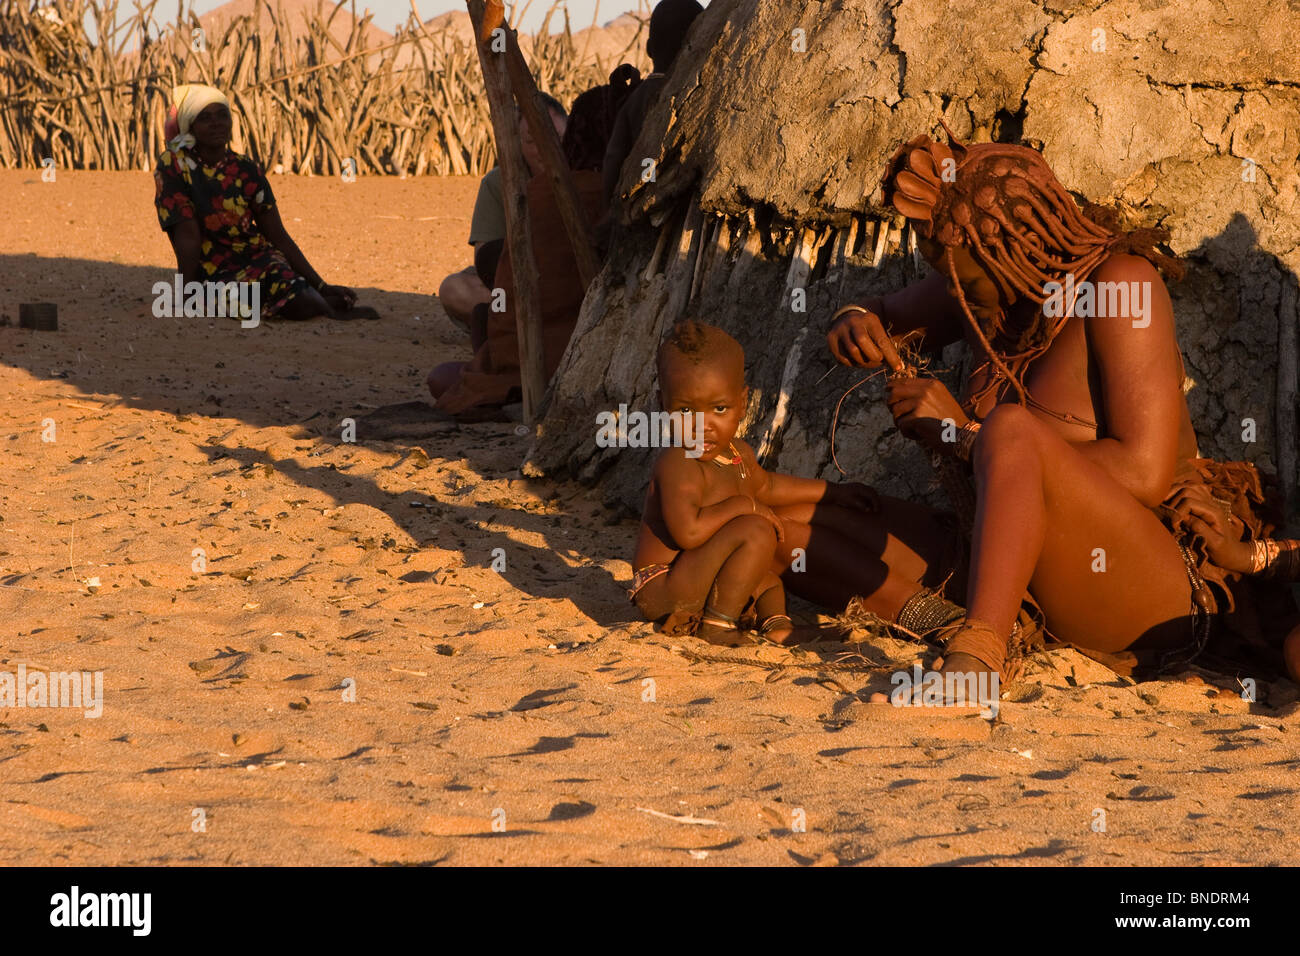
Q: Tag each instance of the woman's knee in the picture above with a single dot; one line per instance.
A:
(1007, 432)
(462, 290)
(450, 286)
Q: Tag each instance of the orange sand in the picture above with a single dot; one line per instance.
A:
(335, 567)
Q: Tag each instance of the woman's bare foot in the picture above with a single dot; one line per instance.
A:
(963, 664)
(978, 685)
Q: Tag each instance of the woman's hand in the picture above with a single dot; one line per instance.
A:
(920, 406)
(859, 339)
(341, 292)
(1211, 520)
(853, 494)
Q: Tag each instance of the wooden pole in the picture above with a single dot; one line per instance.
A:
(1288, 334)
(553, 161)
(486, 18)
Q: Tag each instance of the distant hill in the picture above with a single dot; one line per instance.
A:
(612, 39)
(295, 13)
(607, 43)
(456, 22)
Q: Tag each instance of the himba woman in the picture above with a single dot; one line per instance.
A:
(218, 210)
(1074, 428)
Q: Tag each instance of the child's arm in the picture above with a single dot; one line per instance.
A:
(777, 490)
(681, 496)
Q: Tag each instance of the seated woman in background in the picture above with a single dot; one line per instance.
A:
(218, 210)
(492, 377)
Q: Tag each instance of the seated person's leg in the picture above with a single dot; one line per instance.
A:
(1043, 509)
(478, 326)
(460, 292)
(769, 603)
(1291, 654)
(715, 579)
(882, 558)
(486, 257)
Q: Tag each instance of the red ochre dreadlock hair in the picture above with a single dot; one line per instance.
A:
(1006, 206)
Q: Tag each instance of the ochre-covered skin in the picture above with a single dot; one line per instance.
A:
(724, 528)
(1084, 426)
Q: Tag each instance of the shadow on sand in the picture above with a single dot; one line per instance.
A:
(303, 376)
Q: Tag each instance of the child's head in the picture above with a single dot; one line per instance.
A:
(702, 370)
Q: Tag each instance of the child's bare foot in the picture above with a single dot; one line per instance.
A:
(721, 630)
(778, 629)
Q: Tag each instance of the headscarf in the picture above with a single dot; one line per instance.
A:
(188, 101)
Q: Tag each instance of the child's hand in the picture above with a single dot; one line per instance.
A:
(348, 296)
(764, 511)
(853, 494)
(1212, 521)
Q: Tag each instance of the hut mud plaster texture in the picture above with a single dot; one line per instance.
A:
(768, 146)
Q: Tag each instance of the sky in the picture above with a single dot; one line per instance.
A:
(389, 13)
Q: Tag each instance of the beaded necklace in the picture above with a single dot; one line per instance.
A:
(735, 459)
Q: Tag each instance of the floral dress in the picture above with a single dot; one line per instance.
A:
(223, 199)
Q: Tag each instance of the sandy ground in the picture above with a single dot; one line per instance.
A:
(520, 716)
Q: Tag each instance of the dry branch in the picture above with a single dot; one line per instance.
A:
(307, 93)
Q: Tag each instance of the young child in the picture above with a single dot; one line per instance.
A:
(709, 535)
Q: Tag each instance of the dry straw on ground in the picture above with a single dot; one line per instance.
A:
(308, 95)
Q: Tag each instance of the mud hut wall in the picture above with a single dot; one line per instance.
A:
(1185, 115)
